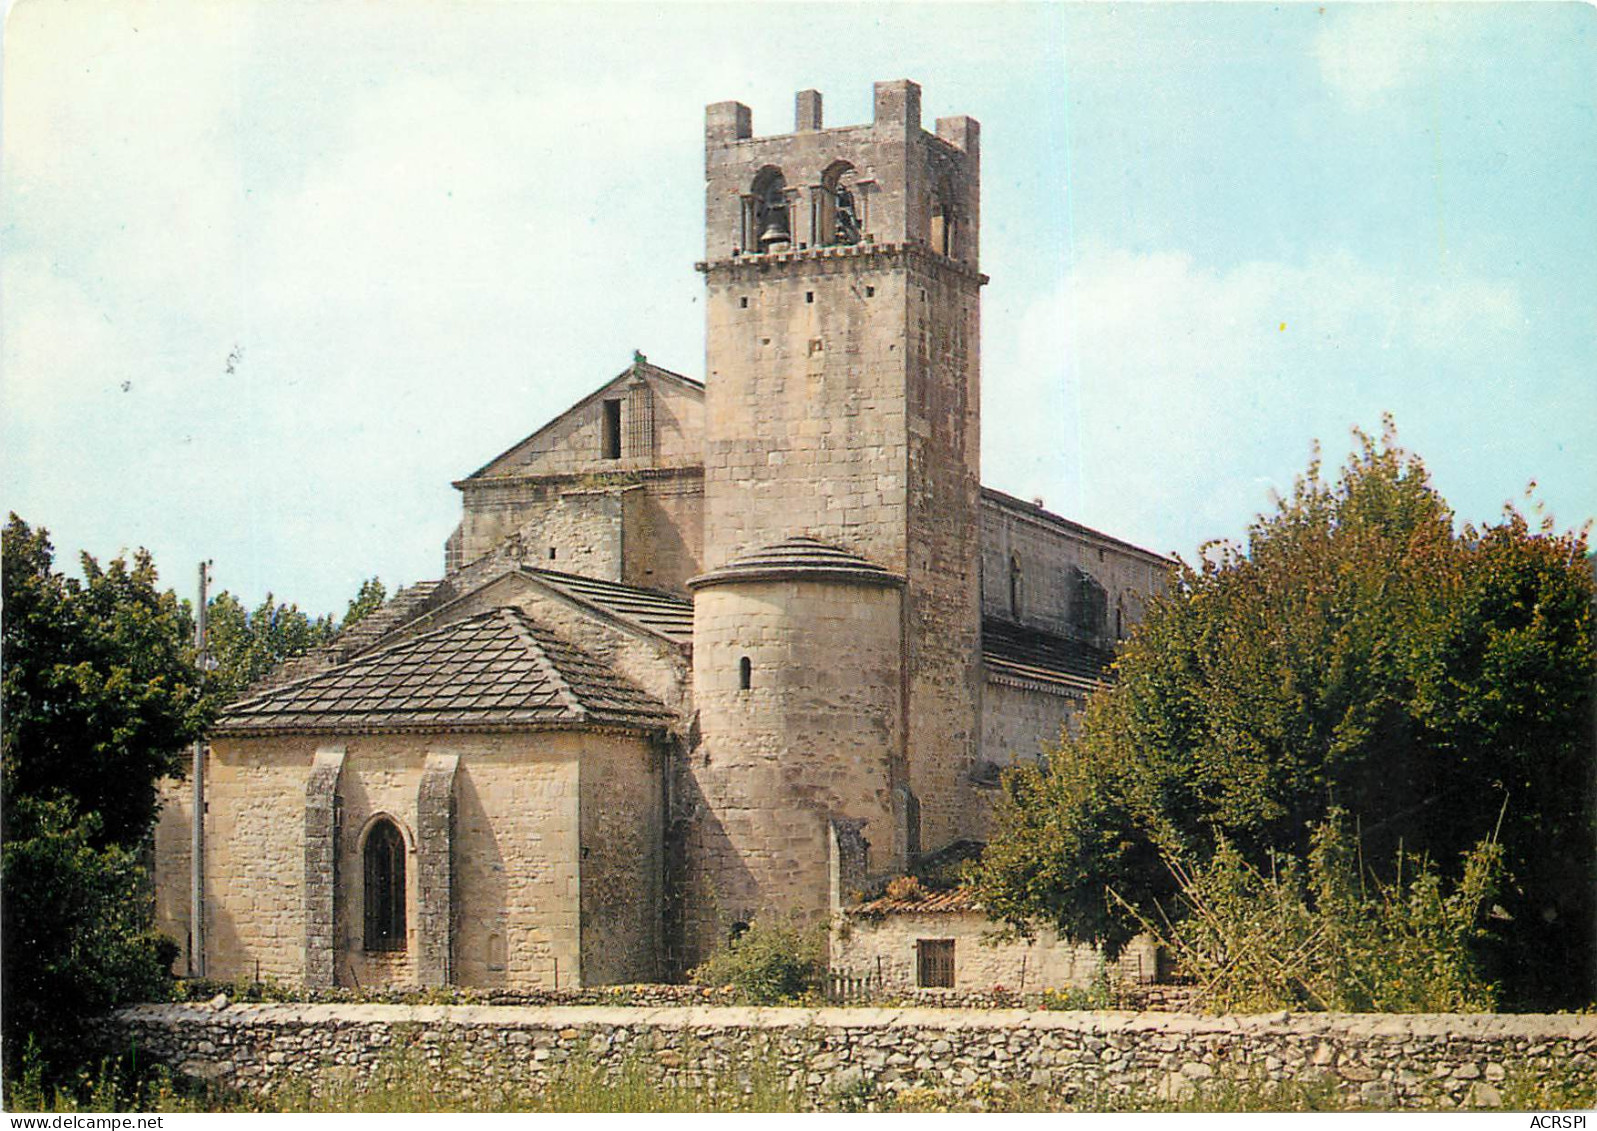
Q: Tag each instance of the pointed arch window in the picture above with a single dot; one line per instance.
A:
(385, 887)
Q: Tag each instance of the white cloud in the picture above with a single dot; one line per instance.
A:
(1367, 52)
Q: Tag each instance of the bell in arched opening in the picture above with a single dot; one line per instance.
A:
(771, 210)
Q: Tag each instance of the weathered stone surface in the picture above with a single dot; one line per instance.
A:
(262, 1046)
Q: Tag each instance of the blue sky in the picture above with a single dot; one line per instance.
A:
(274, 274)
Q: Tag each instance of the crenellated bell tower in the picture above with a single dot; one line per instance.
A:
(842, 411)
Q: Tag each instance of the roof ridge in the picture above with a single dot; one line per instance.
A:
(582, 594)
(522, 626)
(665, 594)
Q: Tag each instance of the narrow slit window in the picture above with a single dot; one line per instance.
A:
(745, 674)
(612, 430)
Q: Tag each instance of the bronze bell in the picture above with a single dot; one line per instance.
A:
(775, 230)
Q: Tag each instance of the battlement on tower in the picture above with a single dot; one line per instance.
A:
(888, 181)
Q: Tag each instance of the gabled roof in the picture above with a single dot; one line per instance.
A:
(498, 670)
(1031, 655)
(664, 614)
(639, 368)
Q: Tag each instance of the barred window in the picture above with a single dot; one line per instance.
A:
(934, 963)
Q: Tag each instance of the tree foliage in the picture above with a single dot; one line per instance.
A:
(101, 691)
(100, 696)
(1358, 653)
(367, 600)
(1330, 937)
(244, 645)
(770, 962)
(77, 933)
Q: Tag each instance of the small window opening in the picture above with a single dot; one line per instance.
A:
(612, 430)
(934, 963)
(744, 302)
(816, 346)
(809, 296)
(739, 929)
(870, 292)
(551, 553)
(1015, 582)
(385, 888)
(944, 226)
(745, 674)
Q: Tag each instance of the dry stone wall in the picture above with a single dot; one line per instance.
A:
(1377, 1059)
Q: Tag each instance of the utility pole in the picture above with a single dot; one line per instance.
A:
(197, 844)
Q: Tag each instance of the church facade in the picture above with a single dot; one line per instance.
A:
(702, 651)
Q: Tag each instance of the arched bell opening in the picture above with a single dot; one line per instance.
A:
(767, 220)
(839, 217)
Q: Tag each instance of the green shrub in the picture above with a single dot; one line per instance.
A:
(1331, 936)
(770, 963)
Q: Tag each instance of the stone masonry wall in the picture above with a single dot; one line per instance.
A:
(812, 738)
(1049, 550)
(513, 913)
(886, 945)
(1378, 1059)
(622, 829)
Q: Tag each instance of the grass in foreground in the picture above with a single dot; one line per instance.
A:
(406, 1081)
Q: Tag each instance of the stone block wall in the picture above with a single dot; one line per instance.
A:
(1048, 550)
(814, 737)
(887, 945)
(1382, 1060)
(622, 828)
(501, 910)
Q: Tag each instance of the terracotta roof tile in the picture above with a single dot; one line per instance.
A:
(930, 903)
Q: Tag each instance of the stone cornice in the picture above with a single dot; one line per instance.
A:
(873, 254)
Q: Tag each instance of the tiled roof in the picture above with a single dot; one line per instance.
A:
(1041, 657)
(663, 613)
(801, 557)
(497, 670)
(929, 903)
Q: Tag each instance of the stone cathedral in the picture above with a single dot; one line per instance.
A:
(702, 651)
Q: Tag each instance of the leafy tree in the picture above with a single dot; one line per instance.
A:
(244, 645)
(100, 697)
(100, 689)
(1359, 653)
(77, 935)
(370, 598)
(1257, 940)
